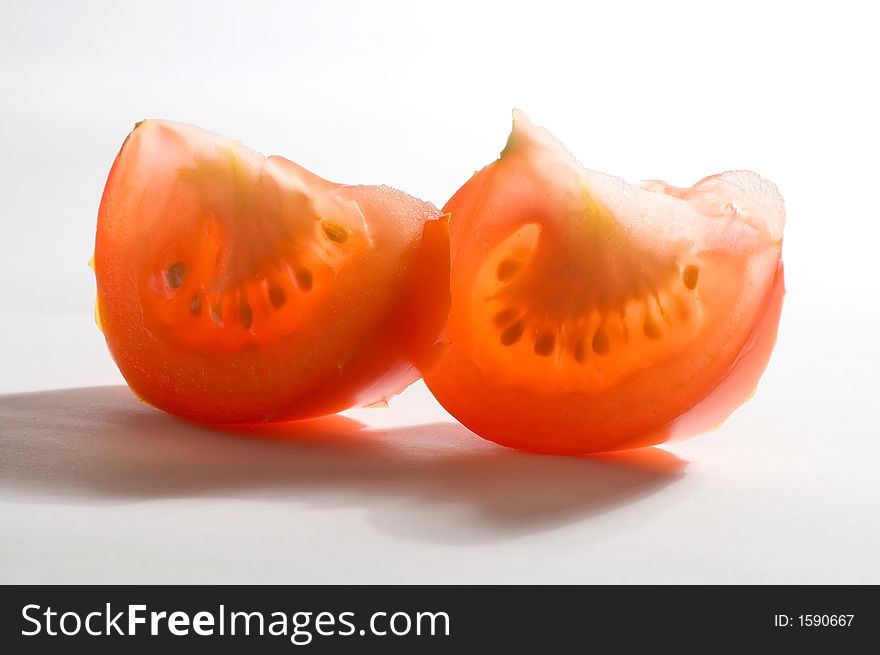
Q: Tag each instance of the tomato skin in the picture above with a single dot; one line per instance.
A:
(350, 346)
(731, 224)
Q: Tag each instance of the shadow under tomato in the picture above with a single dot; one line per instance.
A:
(436, 481)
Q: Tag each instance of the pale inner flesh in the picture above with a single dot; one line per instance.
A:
(243, 248)
(584, 314)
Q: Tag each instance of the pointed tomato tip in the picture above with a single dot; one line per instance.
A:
(538, 142)
(519, 116)
(521, 124)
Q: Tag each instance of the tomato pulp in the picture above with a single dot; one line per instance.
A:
(589, 314)
(239, 288)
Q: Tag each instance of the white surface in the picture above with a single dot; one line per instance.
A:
(95, 487)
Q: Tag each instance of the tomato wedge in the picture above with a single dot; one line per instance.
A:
(237, 288)
(589, 314)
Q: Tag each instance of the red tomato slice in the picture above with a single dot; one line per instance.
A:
(589, 314)
(238, 288)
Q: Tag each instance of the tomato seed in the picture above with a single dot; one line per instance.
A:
(277, 297)
(304, 279)
(601, 343)
(512, 334)
(544, 345)
(247, 315)
(335, 232)
(652, 330)
(174, 275)
(504, 317)
(506, 269)
(689, 276)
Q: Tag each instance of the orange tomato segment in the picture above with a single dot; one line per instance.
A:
(587, 313)
(234, 287)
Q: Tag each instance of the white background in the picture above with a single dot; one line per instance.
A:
(95, 487)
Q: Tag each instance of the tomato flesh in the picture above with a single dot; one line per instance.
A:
(236, 288)
(589, 314)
